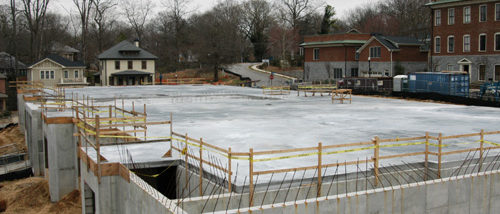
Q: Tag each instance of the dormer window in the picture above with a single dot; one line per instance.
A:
(130, 64)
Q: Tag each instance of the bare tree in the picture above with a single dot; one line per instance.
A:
(13, 39)
(84, 7)
(34, 12)
(101, 7)
(256, 23)
(295, 10)
(137, 13)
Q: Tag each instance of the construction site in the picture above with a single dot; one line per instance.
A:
(226, 149)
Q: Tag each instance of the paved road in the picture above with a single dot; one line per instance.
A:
(262, 79)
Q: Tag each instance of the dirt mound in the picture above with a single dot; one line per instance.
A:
(31, 195)
(12, 140)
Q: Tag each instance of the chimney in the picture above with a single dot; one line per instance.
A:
(137, 43)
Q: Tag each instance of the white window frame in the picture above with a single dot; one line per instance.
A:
(479, 72)
(437, 22)
(435, 44)
(47, 75)
(52, 75)
(465, 15)
(485, 42)
(497, 7)
(448, 44)
(450, 20)
(42, 75)
(463, 41)
(66, 74)
(77, 75)
(496, 41)
(448, 67)
(485, 15)
(316, 56)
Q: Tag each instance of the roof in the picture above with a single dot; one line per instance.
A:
(130, 72)
(7, 60)
(392, 43)
(338, 42)
(58, 47)
(61, 61)
(442, 2)
(117, 52)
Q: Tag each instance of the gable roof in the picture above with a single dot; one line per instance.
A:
(442, 2)
(117, 52)
(61, 61)
(392, 43)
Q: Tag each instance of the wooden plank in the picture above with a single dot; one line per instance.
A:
(284, 170)
(134, 124)
(109, 169)
(492, 133)
(348, 145)
(124, 172)
(401, 139)
(460, 136)
(285, 151)
(59, 120)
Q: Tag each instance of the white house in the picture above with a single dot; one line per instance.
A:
(55, 70)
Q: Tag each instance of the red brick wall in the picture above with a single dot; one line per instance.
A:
(331, 54)
(459, 29)
(385, 55)
(410, 54)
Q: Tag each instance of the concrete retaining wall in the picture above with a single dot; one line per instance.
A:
(34, 139)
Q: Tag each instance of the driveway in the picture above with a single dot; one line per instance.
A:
(262, 79)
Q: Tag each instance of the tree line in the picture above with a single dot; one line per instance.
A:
(231, 31)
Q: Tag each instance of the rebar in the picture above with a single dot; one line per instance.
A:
(267, 189)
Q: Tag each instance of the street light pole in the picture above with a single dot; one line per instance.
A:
(369, 67)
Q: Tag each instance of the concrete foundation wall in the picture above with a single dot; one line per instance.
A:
(21, 110)
(116, 195)
(440, 63)
(193, 189)
(473, 193)
(62, 156)
(34, 140)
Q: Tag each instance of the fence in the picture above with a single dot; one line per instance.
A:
(315, 89)
(431, 146)
(276, 90)
(182, 81)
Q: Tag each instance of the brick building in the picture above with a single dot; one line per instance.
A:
(466, 37)
(354, 54)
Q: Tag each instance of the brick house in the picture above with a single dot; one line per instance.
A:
(466, 37)
(336, 56)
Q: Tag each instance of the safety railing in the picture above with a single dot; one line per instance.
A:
(183, 81)
(320, 89)
(276, 90)
(425, 146)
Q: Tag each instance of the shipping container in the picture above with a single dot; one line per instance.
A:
(378, 84)
(447, 83)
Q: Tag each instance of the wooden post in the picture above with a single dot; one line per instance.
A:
(375, 159)
(440, 143)
(481, 150)
(171, 132)
(201, 167)
(185, 151)
(229, 172)
(426, 154)
(251, 177)
(145, 127)
(134, 115)
(98, 145)
(320, 151)
(110, 114)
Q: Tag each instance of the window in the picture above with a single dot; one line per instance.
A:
(497, 41)
(356, 56)
(482, 72)
(316, 54)
(47, 74)
(497, 12)
(449, 68)
(466, 43)
(66, 74)
(467, 15)
(42, 75)
(451, 44)
(451, 16)
(337, 73)
(76, 74)
(144, 65)
(354, 72)
(375, 52)
(437, 16)
(482, 42)
(497, 73)
(52, 75)
(117, 65)
(437, 44)
(130, 65)
(482, 13)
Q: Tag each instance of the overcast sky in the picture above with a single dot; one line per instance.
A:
(341, 6)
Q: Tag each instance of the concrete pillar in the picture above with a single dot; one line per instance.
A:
(34, 139)
(62, 158)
